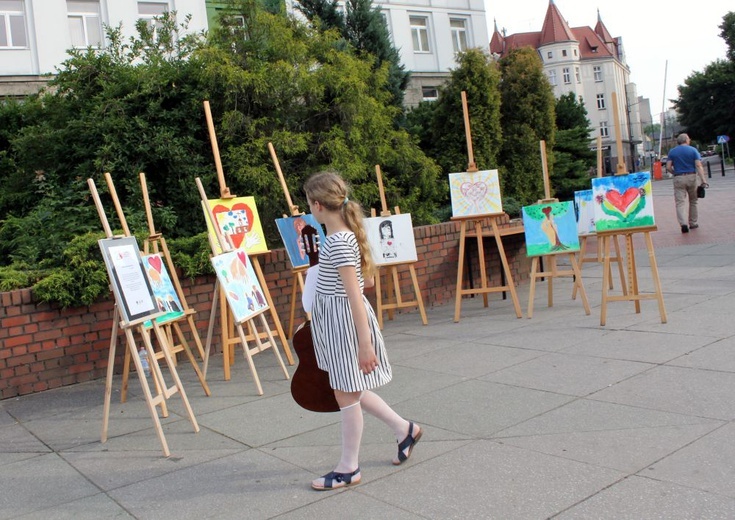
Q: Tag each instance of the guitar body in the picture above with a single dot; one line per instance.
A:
(310, 384)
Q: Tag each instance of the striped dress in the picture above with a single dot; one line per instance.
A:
(332, 326)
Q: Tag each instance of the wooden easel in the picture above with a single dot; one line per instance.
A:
(631, 293)
(551, 259)
(394, 299)
(162, 391)
(227, 328)
(171, 326)
(477, 221)
(260, 345)
(597, 257)
(297, 273)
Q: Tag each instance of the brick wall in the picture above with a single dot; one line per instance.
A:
(43, 346)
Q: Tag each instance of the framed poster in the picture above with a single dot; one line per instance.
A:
(391, 239)
(290, 230)
(550, 228)
(585, 212)
(235, 273)
(238, 223)
(130, 285)
(167, 301)
(475, 193)
(623, 201)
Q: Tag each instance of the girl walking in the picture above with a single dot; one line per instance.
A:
(347, 339)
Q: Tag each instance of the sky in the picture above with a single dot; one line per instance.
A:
(661, 39)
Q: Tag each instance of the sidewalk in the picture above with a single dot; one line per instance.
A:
(549, 417)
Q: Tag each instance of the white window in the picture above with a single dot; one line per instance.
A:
(600, 101)
(429, 93)
(85, 25)
(459, 34)
(576, 75)
(598, 72)
(149, 10)
(566, 73)
(12, 24)
(552, 77)
(420, 33)
(603, 129)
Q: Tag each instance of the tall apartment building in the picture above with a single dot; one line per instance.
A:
(35, 34)
(591, 64)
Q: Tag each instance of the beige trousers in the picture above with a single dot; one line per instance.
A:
(685, 186)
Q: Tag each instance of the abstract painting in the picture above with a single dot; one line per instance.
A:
(239, 225)
(550, 228)
(622, 201)
(290, 230)
(167, 300)
(391, 239)
(475, 193)
(238, 279)
(585, 212)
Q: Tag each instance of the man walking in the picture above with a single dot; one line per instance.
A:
(685, 164)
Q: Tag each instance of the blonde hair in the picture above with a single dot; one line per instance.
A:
(331, 191)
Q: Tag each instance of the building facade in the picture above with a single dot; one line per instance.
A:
(591, 64)
(36, 34)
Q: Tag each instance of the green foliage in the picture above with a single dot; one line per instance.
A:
(191, 255)
(527, 106)
(573, 157)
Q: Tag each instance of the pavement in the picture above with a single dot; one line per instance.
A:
(549, 417)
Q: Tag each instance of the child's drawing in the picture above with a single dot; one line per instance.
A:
(238, 279)
(163, 288)
(585, 212)
(475, 193)
(391, 239)
(622, 201)
(290, 229)
(239, 225)
(550, 228)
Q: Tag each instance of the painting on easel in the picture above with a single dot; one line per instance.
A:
(623, 201)
(163, 288)
(585, 212)
(235, 273)
(550, 228)
(239, 224)
(475, 193)
(290, 230)
(391, 239)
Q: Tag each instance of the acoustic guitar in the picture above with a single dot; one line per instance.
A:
(310, 384)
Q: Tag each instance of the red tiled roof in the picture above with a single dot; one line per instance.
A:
(555, 28)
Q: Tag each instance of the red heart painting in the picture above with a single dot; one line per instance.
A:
(243, 258)
(622, 202)
(230, 229)
(155, 262)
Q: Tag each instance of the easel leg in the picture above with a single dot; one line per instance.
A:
(460, 269)
(292, 312)
(249, 357)
(108, 381)
(187, 351)
(417, 290)
(550, 282)
(605, 277)
(273, 345)
(395, 291)
(656, 280)
(578, 282)
(532, 291)
(125, 374)
(632, 272)
(272, 308)
(481, 261)
(621, 271)
(224, 320)
(210, 327)
(379, 297)
(506, 269)
(582, 252)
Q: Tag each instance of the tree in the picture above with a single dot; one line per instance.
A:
(573, 157)
(527, 115)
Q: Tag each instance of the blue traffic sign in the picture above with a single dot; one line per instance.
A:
(722, 139)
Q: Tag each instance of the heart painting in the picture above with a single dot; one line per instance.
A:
(622, 201)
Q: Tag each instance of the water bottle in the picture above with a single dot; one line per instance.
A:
(143, 353)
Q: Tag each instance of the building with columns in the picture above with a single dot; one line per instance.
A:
(591, 64)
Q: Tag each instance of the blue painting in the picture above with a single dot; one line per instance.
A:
(164, 293)
(290, 230)
(237, 277)
(585, 212)
(550, 228)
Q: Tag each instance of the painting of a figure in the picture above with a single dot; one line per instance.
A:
(550, 228)
(475, 193)
(235, 273)
(290, 229)
(239, 225)
(623, 201)
(391, 239)
(163, 288)
(585, 212)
